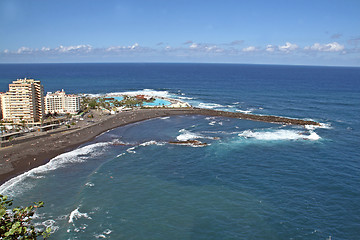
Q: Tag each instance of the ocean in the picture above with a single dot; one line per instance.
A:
(253, 180)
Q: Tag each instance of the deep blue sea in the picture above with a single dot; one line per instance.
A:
(253, 180)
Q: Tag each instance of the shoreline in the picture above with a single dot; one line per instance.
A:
(34, 152)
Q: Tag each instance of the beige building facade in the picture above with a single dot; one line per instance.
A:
(59, 102)
(24, 101)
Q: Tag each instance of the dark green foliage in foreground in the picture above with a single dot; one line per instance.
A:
(16, 223)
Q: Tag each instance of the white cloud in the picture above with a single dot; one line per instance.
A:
(134, 46)
(193, 46)
(330, 47)
(75, 48)
(213, 48)
(249, 49)
(189, 50)
(24, 50)
(270, 48)
(288, 47)
(203, 47)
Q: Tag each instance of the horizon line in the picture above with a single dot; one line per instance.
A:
(223, 63)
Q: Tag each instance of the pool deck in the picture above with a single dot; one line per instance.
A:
(173, 103)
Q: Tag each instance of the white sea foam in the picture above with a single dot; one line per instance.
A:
(51, 224)
(187, 135)
(76, 214)
(94, 95)
(148, 143)
(131, 150)
(212, 123)
(19, 183)
(89, 184)
(152, 142)
(210, 118)
(313, 136)
(186, 98)
(119, 142)
(103, 234)
(243, 111)
(210, 105)
(280, 134)
(148, 92)
(195, 145)
(99, 236)
(163, 118)
(310, 127)
(322, 125)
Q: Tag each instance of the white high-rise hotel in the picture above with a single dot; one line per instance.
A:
(24, 101)
(59, 102)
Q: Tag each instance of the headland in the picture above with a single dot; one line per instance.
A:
(35, 150)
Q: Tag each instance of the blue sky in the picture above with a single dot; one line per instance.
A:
(305, 32)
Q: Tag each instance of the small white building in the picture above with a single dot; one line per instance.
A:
(59, 102)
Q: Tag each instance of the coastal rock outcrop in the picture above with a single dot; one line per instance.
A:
(190, 143)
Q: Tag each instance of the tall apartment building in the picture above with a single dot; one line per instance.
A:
(59, 102)
(23, 101)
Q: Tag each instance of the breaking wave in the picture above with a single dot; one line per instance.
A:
(210, 105)
(152, 142)
(18, 184)
(74, 215)
(243, 111)
(322, 125)
(187, 135)
(148, 92)
(281, 134)
(186, 98)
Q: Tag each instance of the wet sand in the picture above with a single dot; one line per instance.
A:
(36, 151)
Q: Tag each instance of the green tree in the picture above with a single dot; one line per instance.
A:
(93, 104)
(16, 223)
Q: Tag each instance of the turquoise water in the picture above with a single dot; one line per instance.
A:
(157, 102)
(252, 181)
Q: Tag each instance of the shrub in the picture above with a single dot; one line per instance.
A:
(16, 223)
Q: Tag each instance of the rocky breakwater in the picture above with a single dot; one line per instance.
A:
(253, 117)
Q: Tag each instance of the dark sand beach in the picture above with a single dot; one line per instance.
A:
(34, 151)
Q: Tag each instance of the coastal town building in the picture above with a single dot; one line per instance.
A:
(60, 102)
(24, 101)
